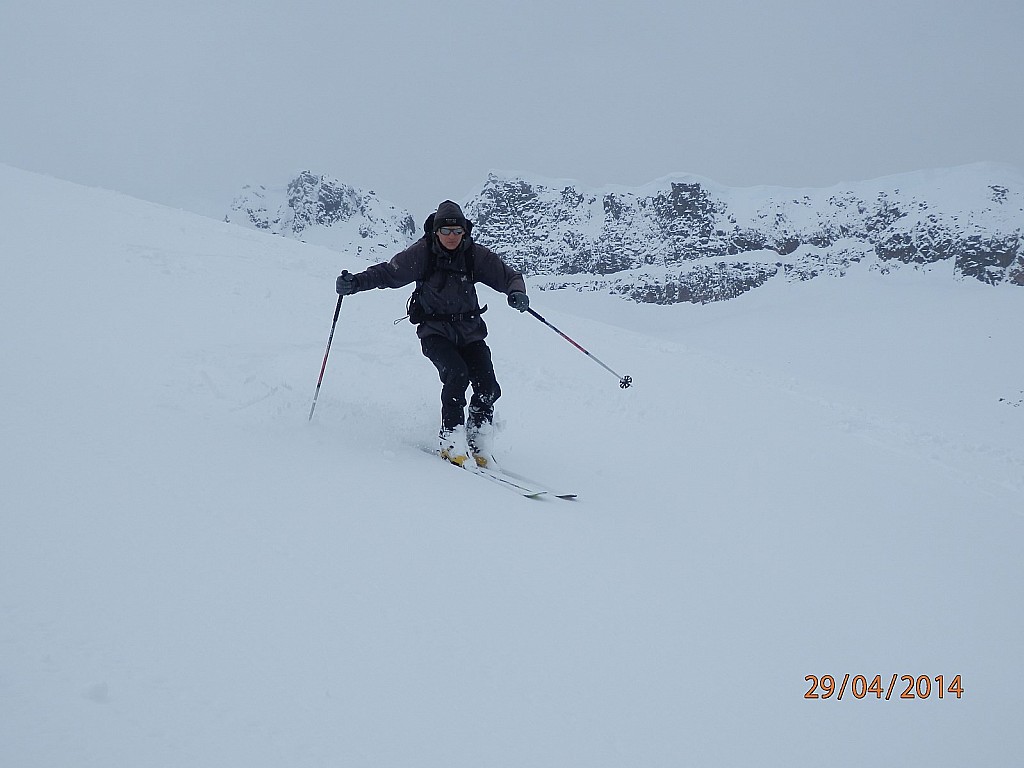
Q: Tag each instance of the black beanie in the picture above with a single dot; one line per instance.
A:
(449, 215)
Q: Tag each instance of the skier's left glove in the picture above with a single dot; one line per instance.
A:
(519, 300)
(347, 283)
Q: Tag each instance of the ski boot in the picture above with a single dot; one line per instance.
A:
(453, 445)
(480, 443)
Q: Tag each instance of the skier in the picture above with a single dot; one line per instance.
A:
(446, 263)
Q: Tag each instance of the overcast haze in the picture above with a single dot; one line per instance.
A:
(184, 102)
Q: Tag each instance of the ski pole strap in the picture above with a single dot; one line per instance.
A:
(624, 381)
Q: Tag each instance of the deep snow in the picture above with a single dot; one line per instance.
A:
(822, 478)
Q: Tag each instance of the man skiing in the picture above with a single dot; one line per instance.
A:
(446, 264)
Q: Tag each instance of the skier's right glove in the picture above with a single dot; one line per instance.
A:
(519, 300)
(347, 283)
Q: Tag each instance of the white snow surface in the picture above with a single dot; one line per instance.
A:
(822, 478)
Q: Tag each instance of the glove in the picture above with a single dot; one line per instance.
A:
(347, 283)
(519, 300)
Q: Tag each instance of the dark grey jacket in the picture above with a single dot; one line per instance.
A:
(448, 290)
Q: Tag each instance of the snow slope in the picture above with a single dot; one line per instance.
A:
(810, 480)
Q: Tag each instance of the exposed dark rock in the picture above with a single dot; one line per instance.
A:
(684, 239)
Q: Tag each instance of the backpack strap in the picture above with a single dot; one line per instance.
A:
(432, 262)
(413, 309)
(456, 317)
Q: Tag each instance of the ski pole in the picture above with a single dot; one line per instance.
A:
(337, 311)
(624, 381)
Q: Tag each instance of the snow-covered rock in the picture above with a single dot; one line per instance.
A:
(685, 238)
(325, 211)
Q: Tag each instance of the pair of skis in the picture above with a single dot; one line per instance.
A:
(521, 485)
(511, 481)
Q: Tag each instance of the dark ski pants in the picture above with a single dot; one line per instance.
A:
(458, 367)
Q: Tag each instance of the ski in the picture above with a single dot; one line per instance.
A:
(517, 485)
(513, 476)
(512, 481)
(507, 481)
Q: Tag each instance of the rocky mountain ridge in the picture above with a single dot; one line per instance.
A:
(686, 239)
(322, 210)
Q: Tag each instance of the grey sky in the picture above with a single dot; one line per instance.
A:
(183, 102)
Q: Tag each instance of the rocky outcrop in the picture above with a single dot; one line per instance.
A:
(322, 210)
(685, 239)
